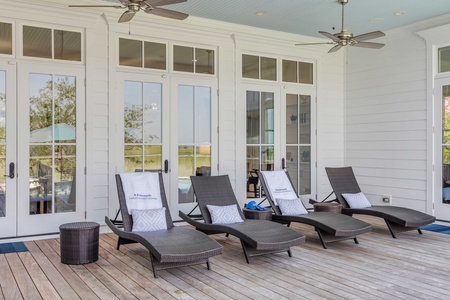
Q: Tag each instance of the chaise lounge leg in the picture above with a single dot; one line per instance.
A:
(419, 230)
(153, 266)
(390, 229)
(324, 245)
(208, 266)
(289, 252)
(245, 252)
(356, 240)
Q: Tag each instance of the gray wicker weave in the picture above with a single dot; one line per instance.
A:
(331, 227)
(79, 242)
(174, 247)
(398, 219)
(257, 237)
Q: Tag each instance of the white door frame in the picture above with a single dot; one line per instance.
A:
(38, 224)
(309, 91)
(441, 210)
(8, 223)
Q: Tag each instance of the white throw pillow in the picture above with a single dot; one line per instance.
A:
(227, 214)
(149, 219)
(357, 200)
(291, 207)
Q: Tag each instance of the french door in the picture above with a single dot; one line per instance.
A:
(168, 125)
(442, 171)
(298, 138)
(50, 148)
(279, 135)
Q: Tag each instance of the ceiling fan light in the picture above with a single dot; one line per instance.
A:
(261, 13)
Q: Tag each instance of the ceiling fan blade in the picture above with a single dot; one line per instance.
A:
(167, 13)
(306, 44)
(162, 2)
(335, 48)
(368, 45)
(330, 36)
(368, 36)
(115, 6)
(127, 16)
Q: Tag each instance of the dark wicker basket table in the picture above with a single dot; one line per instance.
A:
(328, 207)
(79, 242)
(258, 214)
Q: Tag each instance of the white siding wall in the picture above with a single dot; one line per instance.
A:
(386, 118)
(101, 32)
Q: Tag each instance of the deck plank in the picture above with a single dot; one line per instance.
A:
(8, 284)
(53, 275)
(23, 279)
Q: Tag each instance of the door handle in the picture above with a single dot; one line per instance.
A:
(283, 163)
(166, 166)
(11, 170)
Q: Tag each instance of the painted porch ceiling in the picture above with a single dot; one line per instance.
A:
(307, 17)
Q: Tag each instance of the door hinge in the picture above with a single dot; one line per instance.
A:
(85, 82)
(85, 215)
(217, 167)
(85, 127)
(85, 170)
(217, 92)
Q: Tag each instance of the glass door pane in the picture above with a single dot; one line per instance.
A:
(260, 137)
(194, 137)
(298, 141)
(142, 116)
(52, 142)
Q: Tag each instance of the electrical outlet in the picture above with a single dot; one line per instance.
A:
(387, 198)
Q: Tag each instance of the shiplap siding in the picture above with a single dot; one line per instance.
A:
(386, 118)
(330, 118)
(97, 123)
(101, 31)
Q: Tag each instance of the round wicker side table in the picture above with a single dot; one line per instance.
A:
(328, 207)
(79, 242)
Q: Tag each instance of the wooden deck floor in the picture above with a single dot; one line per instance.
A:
(411, 267)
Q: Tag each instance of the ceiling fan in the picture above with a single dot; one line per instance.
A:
(148, 6)
(345, 37)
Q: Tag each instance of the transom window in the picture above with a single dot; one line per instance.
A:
(259, 67)
(5, 38)
(142, 54)
(51, 43)
(193, 60)
(444, 59)
(297, 72)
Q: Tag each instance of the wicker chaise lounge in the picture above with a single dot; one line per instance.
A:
(257, 237)
(173, 247)
(330, 227)
(398, 219)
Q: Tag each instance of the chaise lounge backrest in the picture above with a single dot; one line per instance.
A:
(126, 217)
(217, 190)
(342, 180)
